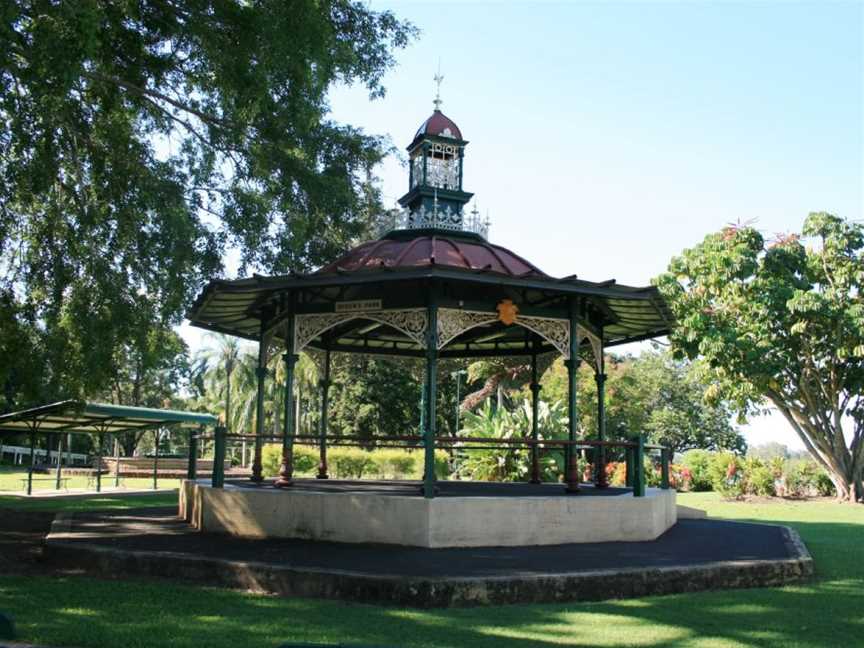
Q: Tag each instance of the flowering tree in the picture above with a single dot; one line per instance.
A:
(783, 323)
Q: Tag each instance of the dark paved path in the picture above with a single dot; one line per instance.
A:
(690, 542)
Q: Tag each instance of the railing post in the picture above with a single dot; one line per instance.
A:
(639, 468)
(192, 468)
(218, 479)
(664, 468)
(628, 464)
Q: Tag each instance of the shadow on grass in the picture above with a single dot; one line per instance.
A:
(91, 502)
(87, 613)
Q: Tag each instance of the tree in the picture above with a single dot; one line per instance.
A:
(652, 394)
(374, 396)
(139, 138)
(783, 323)
(214, 367)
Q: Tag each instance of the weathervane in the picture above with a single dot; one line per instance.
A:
(438, 78)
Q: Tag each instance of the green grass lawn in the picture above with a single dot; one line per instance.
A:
(827, 611)
(11, 476)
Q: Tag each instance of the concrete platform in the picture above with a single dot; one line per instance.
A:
(464, 514)
(694, 555)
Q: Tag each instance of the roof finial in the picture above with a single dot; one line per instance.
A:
(438, 78)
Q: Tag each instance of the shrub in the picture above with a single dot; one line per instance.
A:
(698, 463)
(725, 470)
(760, 481)
(824, 486)
(356, 463)
(350, 463)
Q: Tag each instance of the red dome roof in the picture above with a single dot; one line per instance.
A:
(405, 250)
(439, 124)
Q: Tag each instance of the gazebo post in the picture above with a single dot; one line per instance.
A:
(286, 472)
(261, 373)
(600, 480)
(324, 384)
(535, 425)
(192, 468)
(431, 395)
(571, 466)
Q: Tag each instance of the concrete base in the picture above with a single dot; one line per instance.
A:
(366, 517)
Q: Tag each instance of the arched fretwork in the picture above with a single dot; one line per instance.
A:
(411, 322)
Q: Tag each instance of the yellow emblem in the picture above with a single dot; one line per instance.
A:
(507, 311)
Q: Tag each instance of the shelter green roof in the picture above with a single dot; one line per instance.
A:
(85, 417)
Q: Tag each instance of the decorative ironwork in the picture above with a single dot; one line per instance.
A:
(553, 330)
(411, 322)
(444, 218)
(452, 322)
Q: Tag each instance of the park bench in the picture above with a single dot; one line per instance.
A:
(63, 481)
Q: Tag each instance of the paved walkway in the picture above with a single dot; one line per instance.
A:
(690, 542)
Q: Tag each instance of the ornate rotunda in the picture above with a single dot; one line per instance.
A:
(432, 286)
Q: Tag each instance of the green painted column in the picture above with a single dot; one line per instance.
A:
(664, 468)
(639, 467)
(535, 423)
(324, 384)
(261, 374)
(628, 465)
(600, 480)
(286, 472)
(192, 468)
(431, 396)
(571, 469)
(217, 479)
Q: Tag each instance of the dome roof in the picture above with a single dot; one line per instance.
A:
(417, 249)
(439, 124)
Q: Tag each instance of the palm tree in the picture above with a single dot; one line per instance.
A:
(214, 366)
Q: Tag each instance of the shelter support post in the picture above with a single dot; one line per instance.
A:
(32, 461)
(571, 466)
(100, 442)
(286, 472)
(156, 459)
(535, 422)
(431, 397)
(192, 468)
(116, 462)
(324, 383)
(261, 373)
(59, 473)
(639, 467)
(217, 479)
(664, 468)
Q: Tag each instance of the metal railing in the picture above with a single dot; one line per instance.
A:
(635, 451)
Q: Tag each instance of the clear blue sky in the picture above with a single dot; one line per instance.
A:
(605, 138)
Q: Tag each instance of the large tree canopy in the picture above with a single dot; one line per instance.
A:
(783, 322)
(139, 138)
(652, 394)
